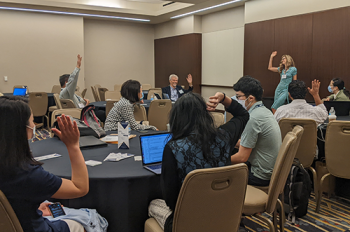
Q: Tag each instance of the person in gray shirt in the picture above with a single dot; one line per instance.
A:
(69, 84)
(261, 139)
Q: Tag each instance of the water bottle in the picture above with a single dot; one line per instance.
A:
(152, 97)
(332, 111)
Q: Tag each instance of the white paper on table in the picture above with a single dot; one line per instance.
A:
(45, 157)
(137, 158)
(110, 138)
(92, 162)
(117, 156)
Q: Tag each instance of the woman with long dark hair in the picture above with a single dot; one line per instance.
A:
(195, 144)
(338, 90)
(23, 180)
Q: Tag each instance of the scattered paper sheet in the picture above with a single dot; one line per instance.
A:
(117, 156)
(45, 157)
(137, 158)
(110, 138)
(92, 162)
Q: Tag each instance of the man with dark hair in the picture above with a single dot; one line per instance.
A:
(261, 139)
(299, 108)
(69, 84)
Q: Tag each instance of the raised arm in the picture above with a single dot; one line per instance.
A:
(73, 78)
(273, 69)
(78, 186)
(314, 91)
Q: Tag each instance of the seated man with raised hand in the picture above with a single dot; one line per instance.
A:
(299, 108)
(261, 139)
(69, 84)
(175, 91)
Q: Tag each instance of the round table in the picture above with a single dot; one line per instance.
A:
(119, 191)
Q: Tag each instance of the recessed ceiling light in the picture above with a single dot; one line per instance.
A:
(72, 13)
(208, 8)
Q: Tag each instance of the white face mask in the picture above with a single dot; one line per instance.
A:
(33, 137)
(242, 102)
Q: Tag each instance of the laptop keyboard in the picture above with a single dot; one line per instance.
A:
(155, 167)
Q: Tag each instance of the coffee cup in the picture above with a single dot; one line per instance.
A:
(332, 118)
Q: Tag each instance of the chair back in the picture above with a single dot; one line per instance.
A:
(146, 86)
(78, 93)
(113, 95)
(152, 91)
(101, 92)
(219, 118)
(38, 102)
(93, 89)
(56, 96)
(308, 143)
(158, 113)
(337, 146)
(140, 112)
(117, 87)
(211, 199)
(228, 116)
(21, 87)
(74, 112)
(8, 219)
(84, 92)
(56, 89)
(109, 106)
(97, 92)
(67, 103)
(282, 166)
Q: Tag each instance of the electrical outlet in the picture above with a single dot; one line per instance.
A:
(5, 78)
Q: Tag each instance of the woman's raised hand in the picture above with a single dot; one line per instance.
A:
(69, 132)
(273, 54)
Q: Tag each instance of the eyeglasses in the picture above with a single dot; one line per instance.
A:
(238, 96)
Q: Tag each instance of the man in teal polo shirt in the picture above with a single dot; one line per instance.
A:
(261, 138)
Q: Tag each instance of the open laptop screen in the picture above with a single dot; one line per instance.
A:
(19, 92)
(152, 147)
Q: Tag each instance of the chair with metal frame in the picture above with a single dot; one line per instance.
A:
(38, 102)
(158, 113)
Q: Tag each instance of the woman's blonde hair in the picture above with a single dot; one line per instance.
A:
(289, 63)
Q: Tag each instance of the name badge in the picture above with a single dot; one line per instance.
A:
(284, 76)
(81, 105)
(181, 91)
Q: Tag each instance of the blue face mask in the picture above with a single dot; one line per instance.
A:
(141, 97)
(330, 89)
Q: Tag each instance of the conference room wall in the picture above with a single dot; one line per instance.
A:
(37, 48)
(117, 51)
(222, 47)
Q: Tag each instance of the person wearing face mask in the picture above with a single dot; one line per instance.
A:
(288, 72)
(340, 93)
(23, 180)
(261, 139)
(175, 91)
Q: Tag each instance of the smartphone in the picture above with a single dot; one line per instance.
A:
(56, 209)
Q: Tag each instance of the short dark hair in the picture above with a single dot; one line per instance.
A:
(130, 90)
(249, 86)
(15, 153)
(63, 79)
(297, 89)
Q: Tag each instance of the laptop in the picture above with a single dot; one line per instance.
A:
(341, 108)
(152, 147)
(86, 142)
(19, 92)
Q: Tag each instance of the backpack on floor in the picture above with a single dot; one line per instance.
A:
(297, 191)
(89, 118)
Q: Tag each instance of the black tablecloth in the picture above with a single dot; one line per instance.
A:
(120, 191)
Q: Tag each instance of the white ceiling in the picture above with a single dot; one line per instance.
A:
(156, 11)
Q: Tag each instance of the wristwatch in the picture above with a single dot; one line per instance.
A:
(223, 98)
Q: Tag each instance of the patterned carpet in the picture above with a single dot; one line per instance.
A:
(334, 216)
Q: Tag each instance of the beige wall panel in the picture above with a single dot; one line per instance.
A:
(223, 20)
(222, 57)
(37, 48)
(175, 27)
(260, 10)
(116, 52)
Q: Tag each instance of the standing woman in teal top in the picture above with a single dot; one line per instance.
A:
(288, 72)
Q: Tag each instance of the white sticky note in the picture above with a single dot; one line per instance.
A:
(92, 162)
(137, 158)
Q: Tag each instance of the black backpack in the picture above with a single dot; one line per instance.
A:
(297, 191)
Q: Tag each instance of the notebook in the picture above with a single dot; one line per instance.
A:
(152, 147)
(19, 92)
(90, 142)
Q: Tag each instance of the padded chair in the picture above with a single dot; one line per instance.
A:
(219, 118)
(228, 116)
(117, 87)
(67, 103)
(146, 87)
(210, 200)
(38, 102)
(77, 88)
(158, 113)
(84, 92)
(94, 93)
(308, 144)
(101, 92)
(74, 112)
(257, 201)
(78, 93)
(337, 148)
(20, 86)
(8, 219)
(113, 95)
(109, 106)
(57, 99)
(97, 93)
(152, 91)
(140, 112)
(56, 89)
